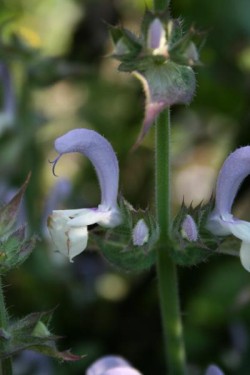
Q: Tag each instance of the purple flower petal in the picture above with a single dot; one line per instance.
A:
(100, 153)
(122, 371)
(111, 365)
(234, 170)
(221, 221)
(213, 370)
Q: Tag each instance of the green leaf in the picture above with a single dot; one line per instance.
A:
(15, 249)
(8, 213)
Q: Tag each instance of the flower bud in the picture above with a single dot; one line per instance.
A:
(157, 37)
(189, 229)
(140, 233)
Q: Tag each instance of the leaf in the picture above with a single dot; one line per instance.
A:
(8, 213)
(15, 249)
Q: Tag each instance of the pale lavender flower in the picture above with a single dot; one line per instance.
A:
(213, 370)
(111, 365)
(140, 233)
(221, 222)
(189, 229)
(68, 228)
(7, 115)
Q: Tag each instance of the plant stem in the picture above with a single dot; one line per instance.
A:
(161, 5)
(6, 364)
(166, 269)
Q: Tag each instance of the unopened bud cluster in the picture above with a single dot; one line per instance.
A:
(161, 57)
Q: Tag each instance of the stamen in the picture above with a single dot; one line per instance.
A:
(54, 162)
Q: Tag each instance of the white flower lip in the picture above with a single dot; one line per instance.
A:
(68, 228)
(221, 222)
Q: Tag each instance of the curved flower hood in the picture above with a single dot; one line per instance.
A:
(213, 370)
(68, 228)
(221, 222)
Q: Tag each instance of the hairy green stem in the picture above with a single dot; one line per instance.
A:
(161, 5)
(166, 269)
(6, 364)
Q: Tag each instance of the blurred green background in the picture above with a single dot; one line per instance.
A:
(64, 78)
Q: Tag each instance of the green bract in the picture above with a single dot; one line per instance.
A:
(31, 332)
(118, 247)
(187, 252)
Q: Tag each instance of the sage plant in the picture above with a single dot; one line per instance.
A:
(163, 58)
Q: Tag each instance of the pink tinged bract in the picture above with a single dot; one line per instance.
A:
(221, 222)
(68, 228)
(164, 85)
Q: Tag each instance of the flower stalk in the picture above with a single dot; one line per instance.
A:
(6, 364)
(161, 5)
(166, 269)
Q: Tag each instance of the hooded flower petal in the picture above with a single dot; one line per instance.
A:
(122, 371)
(213, 370)
(221, 221)
(101, 154)
(111, 365)
(68, 228)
